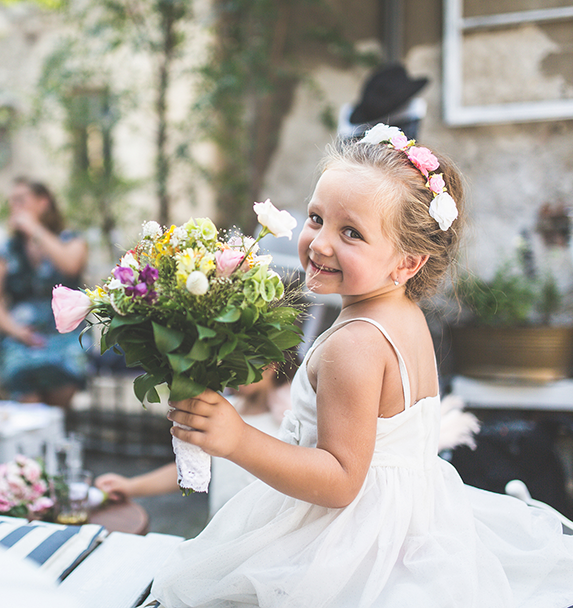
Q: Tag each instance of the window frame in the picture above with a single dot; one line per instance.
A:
(455, 25)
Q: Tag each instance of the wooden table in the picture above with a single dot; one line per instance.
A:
(126, 516)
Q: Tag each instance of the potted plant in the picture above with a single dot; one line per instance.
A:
(511, 329)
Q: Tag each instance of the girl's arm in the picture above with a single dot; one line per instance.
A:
(348, 390)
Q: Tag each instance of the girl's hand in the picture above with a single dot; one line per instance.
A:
(216, 426)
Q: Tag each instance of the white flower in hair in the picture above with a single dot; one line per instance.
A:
(379, 133)
(443, 209)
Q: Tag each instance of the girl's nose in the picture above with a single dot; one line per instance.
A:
(321, 244)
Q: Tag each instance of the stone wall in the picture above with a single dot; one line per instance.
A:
(511, 170)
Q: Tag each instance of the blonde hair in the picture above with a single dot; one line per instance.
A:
(405, 200)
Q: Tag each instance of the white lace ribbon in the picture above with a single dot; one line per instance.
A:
(193, 464)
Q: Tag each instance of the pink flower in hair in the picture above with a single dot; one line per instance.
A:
(423, 159)
(436, 183)
(400, 141)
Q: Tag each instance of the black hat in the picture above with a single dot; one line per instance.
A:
(385, 91)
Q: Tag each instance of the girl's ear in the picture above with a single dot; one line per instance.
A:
(409, 266)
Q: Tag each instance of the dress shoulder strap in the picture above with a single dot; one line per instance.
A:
(402, 365)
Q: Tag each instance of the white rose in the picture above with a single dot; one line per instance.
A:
(197, 283)
(129, 260)
(151, 230)
(262, 260)
(115, 284)
(279, 223)
(379, 133)
(443, 209)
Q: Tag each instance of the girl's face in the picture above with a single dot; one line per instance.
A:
(341, 247)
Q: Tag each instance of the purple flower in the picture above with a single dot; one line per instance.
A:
(123, 274)
(139, 290)
(149, 275)
(150, 297)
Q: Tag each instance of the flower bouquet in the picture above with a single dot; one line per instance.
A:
(194, 310)
(25, 489)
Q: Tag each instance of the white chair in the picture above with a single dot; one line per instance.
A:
(518, 489)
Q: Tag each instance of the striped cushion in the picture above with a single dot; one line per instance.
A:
(56, 548)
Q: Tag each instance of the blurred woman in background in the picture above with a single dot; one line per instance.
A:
(37, 364)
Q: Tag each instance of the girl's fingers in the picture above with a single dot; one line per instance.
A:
(195, 421)
(200, 403)
(195, 437)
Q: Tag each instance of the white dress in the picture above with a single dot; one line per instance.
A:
(414, 537)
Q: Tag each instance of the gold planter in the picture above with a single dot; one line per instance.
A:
(538, 354)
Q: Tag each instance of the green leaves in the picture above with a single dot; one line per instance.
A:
(166, 339)
(183, 387)
(189, 350)
(230, 314)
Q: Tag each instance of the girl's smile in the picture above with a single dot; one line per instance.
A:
(320, 268)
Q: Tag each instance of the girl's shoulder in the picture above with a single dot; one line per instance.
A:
(353, 346)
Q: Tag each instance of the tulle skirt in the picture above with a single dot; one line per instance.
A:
(410, 539)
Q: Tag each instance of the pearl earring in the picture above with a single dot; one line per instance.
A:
(396, 282)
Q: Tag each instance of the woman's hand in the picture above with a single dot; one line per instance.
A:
(216, 427)
(26, 335)
(24, 221)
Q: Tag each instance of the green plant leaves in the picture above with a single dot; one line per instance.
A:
(191, 348)
(182, 387)
(230, 314)
(166, 339)
(144, 386)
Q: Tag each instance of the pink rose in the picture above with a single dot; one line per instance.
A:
(227, 261)
(423, 159)
(400, 141)
(70, 308)
(32, 471)
(41, 504)
(39, 488)
(436, 183)
(5, 505)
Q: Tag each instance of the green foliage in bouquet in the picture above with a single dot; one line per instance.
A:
(195, 310)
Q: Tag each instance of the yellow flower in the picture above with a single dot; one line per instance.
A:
(185, 265)
(207, 263)
(163, 247)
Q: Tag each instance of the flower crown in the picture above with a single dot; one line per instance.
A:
(443, 207)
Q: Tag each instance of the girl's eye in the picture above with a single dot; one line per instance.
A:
(315, 218)
(351, 233)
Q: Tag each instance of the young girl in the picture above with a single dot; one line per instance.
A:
(354, 508)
